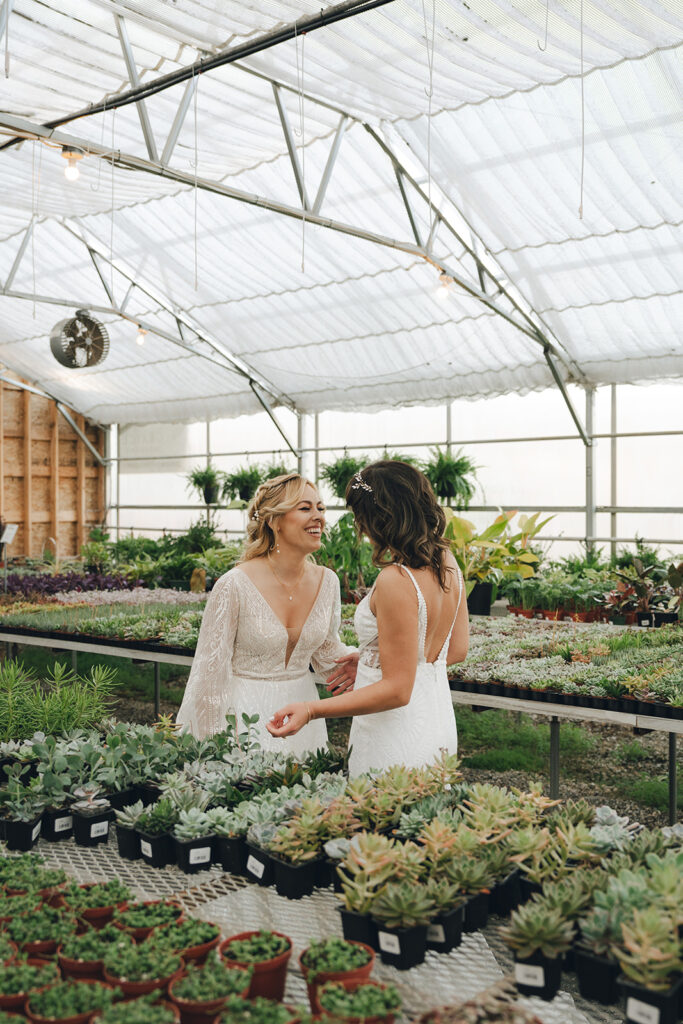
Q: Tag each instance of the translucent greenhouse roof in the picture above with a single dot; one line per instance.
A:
(423, 201)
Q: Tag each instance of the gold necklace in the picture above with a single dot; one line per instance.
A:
(290, 591)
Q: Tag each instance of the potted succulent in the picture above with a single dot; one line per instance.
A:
(127, 838)
(338, 473)
(39, 932)
(139, 969)
(21, 978)
(82, 956)
(242, 484)
(207, 482)
(334, 959)
(538, 936)
(201, 992)
(452, 476)
(22, 810)
(596, 966)
(650, 958)
(193, 939)
(72, 1001)
(92, 815)
(143, 1010)
(155, 832)
(472, 877)
(8, 950)
(267, 953)
(256, 1011)
(362, 1001)
(370, 864)
(444, 931)
(402, 911)
(141, 919)
(296, 851)
(95, 902)
(193, 834)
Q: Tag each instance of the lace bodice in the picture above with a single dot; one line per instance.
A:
(242, 640)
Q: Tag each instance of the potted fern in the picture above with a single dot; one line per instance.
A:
(241, 485)
(338, 473)
(452, 476)
(207, 482)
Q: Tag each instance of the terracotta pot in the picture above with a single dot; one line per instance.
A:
(355, 974)
(194, 1012)
(142, 933)
(200, 953)
(92, 969)
(132, 989)
(78, 1018)
(352, 985)
(97, 917)
(16, 1002)
(268, 979)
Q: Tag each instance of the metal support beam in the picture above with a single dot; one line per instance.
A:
(331, 161)
(613, 489)
(135, 82)
(178, 121)
(557, 377)
(105, 284)
(554, 758)
(5, 11)
(673, 780)
(291, 147)
(409, 210)
(590, 470)
(19, 256)
(295, 451)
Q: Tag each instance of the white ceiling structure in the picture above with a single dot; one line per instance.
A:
(278, 223)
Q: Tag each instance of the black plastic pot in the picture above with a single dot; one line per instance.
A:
(402, 948)
(57, 824)
(359, 928)
(92, 829)
(210, 492)
(645, 618)
(192, 855)
(538, 976)
(506, 895)
(231, 852)
(642, 1004)
(259, 867)
(662, 618)
(476, 912)
(445, 931)
(526, 888)
(294, 880)
(479, 600)
(325, 873)
(128, 842)
(157, 851)
(597, 977)
(123, 798)
(22, 835)
(148, 792)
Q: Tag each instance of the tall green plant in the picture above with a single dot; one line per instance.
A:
(496, 552)
(453, 477)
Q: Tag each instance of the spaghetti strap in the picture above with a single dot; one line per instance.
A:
(461, 587)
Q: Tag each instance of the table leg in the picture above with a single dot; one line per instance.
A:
(673, 780)
(157, 688)
(554, 758)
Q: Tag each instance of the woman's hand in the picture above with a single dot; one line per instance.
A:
(344, 677)
(289, 720)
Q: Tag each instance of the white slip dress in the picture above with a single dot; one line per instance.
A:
(239, 665)
(415, 734)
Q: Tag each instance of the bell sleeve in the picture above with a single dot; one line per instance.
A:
(207, 693)
(323, 659)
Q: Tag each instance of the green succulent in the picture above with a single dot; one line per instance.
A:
(70, 998)
(255, 1011)
(185, 935)
(367, 1000)
(214, 980)
(256, 949)
(537, 927)
(94, 944)
(22, 977)
(144, 1010)
(334, 955)
(147, 915)
(144, 962)
(403, 905)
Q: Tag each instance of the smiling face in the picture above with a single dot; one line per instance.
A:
(302, 527)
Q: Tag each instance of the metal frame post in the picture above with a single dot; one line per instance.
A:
(590, 470)
(613, 472)
(554, 758)
(118, 481)
(300, 442)
(157, 689)
(673, 780)
(449, 427)
(316, 442)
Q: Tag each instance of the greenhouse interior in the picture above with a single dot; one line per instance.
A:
(341, 512)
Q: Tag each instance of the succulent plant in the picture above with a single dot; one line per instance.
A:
(535, 927)
(650, 951)
(403, 905)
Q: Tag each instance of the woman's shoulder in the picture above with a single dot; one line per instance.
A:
(329, 578)
(229, 581)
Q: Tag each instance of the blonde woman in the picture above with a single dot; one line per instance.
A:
(267, 620)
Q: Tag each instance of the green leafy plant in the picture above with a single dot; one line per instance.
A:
(70, 998)
(147, 915)
(214, 980)
(333, 955)
(650, 952)
(255, 1011)
(99, 894)
(263, 945)
(207, 481)
(44, 923)
(94, 944)
(338, 473)
(185, 935)
(242, 483)
(452, 476)
(144, 962)
(21, 977)
(160, 819)
(496, 552)
(403, 905)
(144, 1010)
(367, 1000)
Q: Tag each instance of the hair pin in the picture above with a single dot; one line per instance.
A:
(359, 482)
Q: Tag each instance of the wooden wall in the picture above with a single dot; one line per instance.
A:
(51, 485)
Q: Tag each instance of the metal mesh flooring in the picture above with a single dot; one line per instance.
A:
(237, 905)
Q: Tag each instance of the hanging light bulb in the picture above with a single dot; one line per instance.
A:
(443, 289)
(141, 335)
(72, 155)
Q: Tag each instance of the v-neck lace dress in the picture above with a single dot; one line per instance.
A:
(239, 665)
(413, 735)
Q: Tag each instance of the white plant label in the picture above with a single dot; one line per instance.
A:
(36, 832)
(202, 855)
(435, 933)
(145, 848)
(641, 1013)
(100, 828)
(389, 943)
(255, 867)
(63, 824)
(528, 974)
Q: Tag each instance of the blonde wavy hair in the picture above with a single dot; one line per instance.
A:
(273, 498)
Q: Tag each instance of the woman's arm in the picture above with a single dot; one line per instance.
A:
(460, 637)
(396, 611)
(206, 696)
(333, 658)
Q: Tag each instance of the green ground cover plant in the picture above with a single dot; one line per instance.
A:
(59, 702)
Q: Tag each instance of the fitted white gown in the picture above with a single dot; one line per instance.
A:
(239, 665)
(413, 735)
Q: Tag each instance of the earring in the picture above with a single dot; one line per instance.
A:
(277, 545)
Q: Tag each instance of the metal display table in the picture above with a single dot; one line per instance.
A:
(237, 905)
(672, 726)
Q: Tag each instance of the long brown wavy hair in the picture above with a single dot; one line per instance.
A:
(394, 505)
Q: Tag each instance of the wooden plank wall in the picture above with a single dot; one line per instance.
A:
(51, 485)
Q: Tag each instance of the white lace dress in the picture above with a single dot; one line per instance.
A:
(239, 665)
(415, 734)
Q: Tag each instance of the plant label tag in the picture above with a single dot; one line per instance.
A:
(35, 832)
(100, 828)
(202, 855)
(389, 943)
(435, 933)
(528, 974)
(63, 824)
(641, 1013)
(145, 848)
(255, 867)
